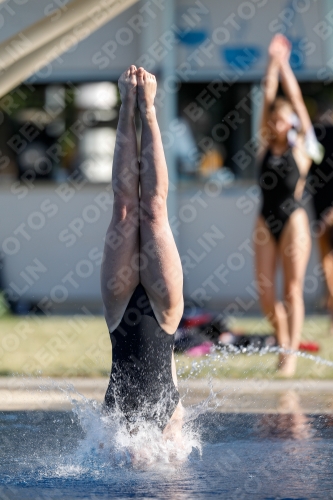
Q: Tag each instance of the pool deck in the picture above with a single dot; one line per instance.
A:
(224, 395)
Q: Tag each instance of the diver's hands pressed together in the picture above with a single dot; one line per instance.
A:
(279, 49)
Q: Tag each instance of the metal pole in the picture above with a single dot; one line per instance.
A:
(62, 21)
(34, 61)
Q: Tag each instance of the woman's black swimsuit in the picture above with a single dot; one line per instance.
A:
(278, 178)
(141, 384)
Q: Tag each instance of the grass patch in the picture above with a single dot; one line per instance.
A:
(73, 346)
(263, 366)
(77, 346)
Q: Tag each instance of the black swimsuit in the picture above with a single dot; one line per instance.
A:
(141, 383)
(278, 178)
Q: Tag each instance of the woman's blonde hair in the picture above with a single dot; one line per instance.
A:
(280, 103)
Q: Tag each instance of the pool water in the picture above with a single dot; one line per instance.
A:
(58, 454)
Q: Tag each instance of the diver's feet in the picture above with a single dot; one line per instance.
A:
(147, 86)
(288, 368)
(127, 84)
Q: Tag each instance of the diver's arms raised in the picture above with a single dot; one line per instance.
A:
(292, 89)
(270, 83)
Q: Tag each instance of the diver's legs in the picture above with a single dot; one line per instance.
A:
(161, 271)
(119, 274)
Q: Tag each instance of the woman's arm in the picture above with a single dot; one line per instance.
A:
(293, 92)
(312, 148)
(271, 83)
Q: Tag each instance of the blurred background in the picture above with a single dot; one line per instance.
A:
(58, 134)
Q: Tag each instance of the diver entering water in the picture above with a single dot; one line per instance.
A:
(141, 274)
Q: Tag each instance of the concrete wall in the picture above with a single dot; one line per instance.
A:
(61, 234)
(52, 240)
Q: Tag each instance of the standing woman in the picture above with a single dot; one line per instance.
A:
(282, 233)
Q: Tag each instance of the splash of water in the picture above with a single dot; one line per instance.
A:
(110, 443)
(224, 353)
(110, 440)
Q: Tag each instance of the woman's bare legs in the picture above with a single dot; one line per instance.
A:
(294, 249)
(326, 255)
(163, 277)
(119, 277)
(148, 237)
(266, 257)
